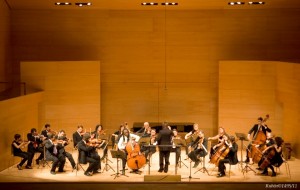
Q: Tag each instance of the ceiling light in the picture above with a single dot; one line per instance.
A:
(151, 3)
(83, 4)
(62, 3)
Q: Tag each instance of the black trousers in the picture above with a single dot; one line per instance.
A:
(59, 161)
(93, 164)
(221, 166)
(26, 156)
(164, 157)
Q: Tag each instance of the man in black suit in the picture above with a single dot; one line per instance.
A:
(164, 139)
(231, 157)
(77, 136)
(35, 144)
(52, 153)
(260, 126)
(46, 131)
(85, 156)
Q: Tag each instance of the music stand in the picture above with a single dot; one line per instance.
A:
(150, 155)
(179, 143)
(242, 137)
(118, 154)
(107, 166)
(203, 169)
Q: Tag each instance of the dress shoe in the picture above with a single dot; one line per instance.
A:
(97, 171)
(220, 175)
(264, 173)
(87, 174)
(52, 172)
(28, 167)
(273, 174)
(196, 164)
(61, 171)
(160, 170)
(166, 171)
(19, 167)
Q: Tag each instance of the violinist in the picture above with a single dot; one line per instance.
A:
(231, 157)
(220, 137)
(270, 159)
(175, 149)
(17, 151)
(99, 134)
(96, 143)
(46, 131)
(200, 149)
(52, 153)
(35, 144)
(256, 129)
(145, 130)
(153, 141)
(77, 135)
(115, 136)
(85, 155)
(192, 135)
(124, 139)
(64, 141)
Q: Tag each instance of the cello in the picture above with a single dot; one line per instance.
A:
(258, 143)
(135, 160)
(220, 154)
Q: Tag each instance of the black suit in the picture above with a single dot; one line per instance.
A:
(58, 159)
(45, 133)
(76, 138)
(85, 156)
(63, 152)
(35, 146)
(231, 158)
(164, 139)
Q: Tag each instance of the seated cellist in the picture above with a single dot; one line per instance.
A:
(231, 157)
(220, 138)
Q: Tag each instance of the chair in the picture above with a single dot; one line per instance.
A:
(78, 164)
(11, 162)
(44, 161)
(287, 169)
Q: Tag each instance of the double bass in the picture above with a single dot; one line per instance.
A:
(135, 160)
(258, 144)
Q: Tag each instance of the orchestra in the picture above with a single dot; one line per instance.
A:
(263, 149)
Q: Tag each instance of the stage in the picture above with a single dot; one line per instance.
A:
(180, 179)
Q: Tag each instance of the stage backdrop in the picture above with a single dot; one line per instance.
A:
(249, 89)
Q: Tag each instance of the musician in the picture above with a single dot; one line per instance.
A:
(164, 138)
(190, 135)
(231, 157)
(200, 149)
(52, 154)
(46, 131)
(145, 130)
(124, 139)
(84, 151)
(153, 141)
(275, 159)
(77, 136)
(133, 149)
(35, 144)
(99, 132)
(220, 137)
(177, 150)
(116, 135)
(260, 126)
(64, 141)
(17, 151)
(94, 153)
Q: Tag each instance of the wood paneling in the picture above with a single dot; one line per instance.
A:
(248, 90)
(5, 46)
(17, 115)
(72, 92)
